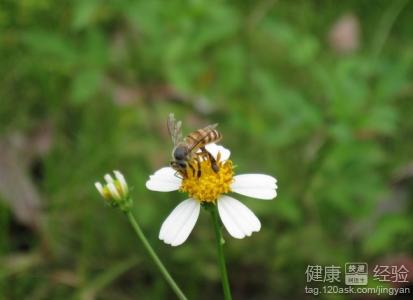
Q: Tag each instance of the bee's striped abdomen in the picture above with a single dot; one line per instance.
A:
(213, 136)
(202, 137)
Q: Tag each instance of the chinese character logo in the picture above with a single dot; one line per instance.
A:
(323, 274)
(314, 273)
(390, 273)
(332, 274)
(356, 273)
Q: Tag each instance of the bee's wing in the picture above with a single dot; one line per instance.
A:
(211, 127)
(174, 129)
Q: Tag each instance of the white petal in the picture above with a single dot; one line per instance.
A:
(108, 178)
(119, 176)
(99, 187)
(238, 219)
(164, 180)
(113, 191)
(180, 222)
(258, 186)
(214, 149)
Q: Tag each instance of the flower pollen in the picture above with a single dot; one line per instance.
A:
(210, 184)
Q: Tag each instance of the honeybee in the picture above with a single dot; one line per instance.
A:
(186, 149)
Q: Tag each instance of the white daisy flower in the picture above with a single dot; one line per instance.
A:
(212, 188)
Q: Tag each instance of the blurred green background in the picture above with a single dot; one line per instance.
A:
(317, 93)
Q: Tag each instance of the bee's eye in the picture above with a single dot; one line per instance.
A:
(180, 153)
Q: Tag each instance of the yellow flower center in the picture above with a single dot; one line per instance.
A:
(210, 184)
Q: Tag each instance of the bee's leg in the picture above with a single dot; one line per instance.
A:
(178, 175)
(179, 171)
(213, 161)
(198, 161)
(197, 157)
(192, 168)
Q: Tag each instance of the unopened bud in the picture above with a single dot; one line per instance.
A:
(115, 191)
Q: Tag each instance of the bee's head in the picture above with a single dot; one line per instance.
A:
(178, 165)
(180, 153)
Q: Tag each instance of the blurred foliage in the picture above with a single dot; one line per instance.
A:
(335, 129)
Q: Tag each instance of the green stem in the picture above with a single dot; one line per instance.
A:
(221, 258)
(155, 257)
